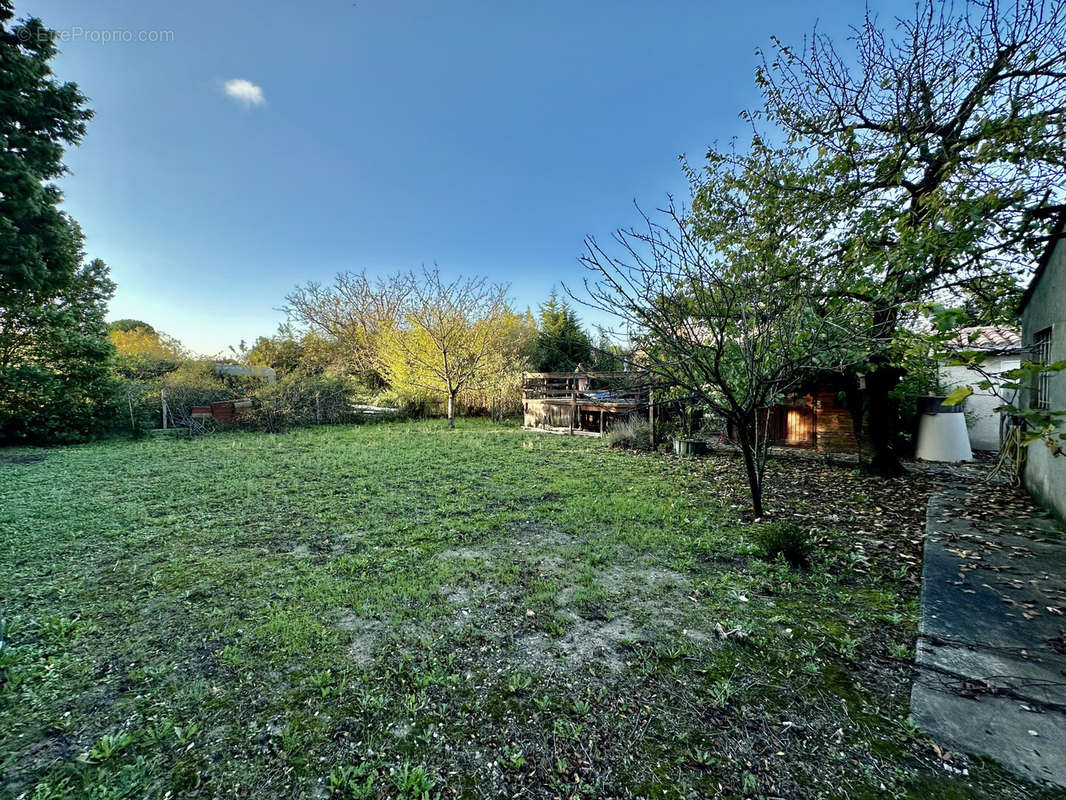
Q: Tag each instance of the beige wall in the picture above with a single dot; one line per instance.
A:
(1045, 474)
(982, 419)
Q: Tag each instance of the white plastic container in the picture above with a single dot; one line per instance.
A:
(942, 433)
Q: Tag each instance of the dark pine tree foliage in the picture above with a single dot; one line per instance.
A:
(561, 343)
(54, 350)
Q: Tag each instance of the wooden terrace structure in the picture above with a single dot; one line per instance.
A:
(584, 402)
(589, 403)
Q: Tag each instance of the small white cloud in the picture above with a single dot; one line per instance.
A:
(245, 92)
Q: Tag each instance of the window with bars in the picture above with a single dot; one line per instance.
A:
(1042, 380)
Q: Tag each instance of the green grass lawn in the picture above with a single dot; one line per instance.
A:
(400, 610)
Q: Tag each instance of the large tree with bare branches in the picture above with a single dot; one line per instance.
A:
(723, 301)
(943, 142)
(352, 314)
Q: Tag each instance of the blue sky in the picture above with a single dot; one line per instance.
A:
(487, 137)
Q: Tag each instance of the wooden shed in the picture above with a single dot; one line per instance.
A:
(819, 420)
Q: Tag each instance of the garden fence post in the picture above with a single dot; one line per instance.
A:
(573, 404)
(651, 417)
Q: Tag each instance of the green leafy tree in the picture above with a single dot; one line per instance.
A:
(128, 325)
(39, 116)
(142, 352)
(281, 352)
(289, 353)
(608, 356)
(54, 350)
(942, 145)
(55, 360)
(561, 342)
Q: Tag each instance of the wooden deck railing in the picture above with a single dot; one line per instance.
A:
(591, 387)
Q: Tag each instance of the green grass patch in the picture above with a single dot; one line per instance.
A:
(400, 610)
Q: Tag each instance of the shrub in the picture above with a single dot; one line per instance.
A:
(784, 538)
(44, 404)
(500, 399)
(136, 405)
(301, 400)
(410, 404)
(631, 434)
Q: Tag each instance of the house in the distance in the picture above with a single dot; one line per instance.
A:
(1002, 347)
(1043, 316)
(244, 371)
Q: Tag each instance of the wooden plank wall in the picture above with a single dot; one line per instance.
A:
(542, 414)
(833, 426)
(545, 415)
(797, 425)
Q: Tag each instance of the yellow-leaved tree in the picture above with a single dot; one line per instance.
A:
(452, 338)
(142, 352)
(499, 389)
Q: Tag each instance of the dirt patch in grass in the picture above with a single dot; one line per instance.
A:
(527, 540)
(20, 459)
(538, 537)
(586, 642)
(367, 636)
(645, 585)
(601, 641)
(474, 553)
(456, 595)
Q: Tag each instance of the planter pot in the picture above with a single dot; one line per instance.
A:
(942, 434)
(931, 404)
(689, 447)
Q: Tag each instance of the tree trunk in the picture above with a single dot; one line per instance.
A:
(856, 403)
(883, 419)
(751, 466)
(451, 409)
